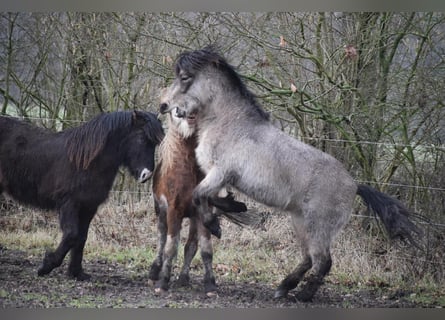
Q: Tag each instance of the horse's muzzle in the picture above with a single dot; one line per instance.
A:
(180, 113)
(145, 175)
(163, 108)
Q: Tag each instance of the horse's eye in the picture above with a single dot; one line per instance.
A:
(185, 77)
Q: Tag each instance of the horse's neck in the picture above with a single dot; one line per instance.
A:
(174, 146)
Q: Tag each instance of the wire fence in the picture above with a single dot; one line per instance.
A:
(386, 144)
(145, 196)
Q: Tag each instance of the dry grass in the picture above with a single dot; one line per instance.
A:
(124, 229)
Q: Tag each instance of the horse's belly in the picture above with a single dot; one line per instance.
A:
(29, 196)
(271, 193)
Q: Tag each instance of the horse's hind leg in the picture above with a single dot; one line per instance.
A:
(75, 269)
(321, 266)
(292, 280)
(190, 249)
(315, 246)
(318, 232)
(69, 224)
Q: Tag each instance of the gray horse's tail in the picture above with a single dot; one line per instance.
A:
(393, 214)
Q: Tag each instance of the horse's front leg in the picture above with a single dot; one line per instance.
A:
(75, 269)
(170, 250)
(161, 213)
(209, 187)
(69, 223)
(190, 249)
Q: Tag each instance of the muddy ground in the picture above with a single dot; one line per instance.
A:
(113, 285)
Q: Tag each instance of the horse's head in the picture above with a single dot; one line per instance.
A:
(206, 86)
(183, 102)
(198, 80)
(146, 133)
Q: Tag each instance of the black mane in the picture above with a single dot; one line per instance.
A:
(84, 143)
(194, 61)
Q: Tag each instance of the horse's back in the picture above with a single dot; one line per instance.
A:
(29, 156)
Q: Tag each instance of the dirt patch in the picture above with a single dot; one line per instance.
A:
(114, 285)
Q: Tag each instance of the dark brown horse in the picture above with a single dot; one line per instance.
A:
(175, 177)
(73, 171)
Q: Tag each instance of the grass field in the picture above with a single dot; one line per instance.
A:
(125, 232)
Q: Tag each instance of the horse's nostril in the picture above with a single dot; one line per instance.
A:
(163, 108)
(180, 113)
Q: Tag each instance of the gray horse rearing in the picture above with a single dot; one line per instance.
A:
(239, 146)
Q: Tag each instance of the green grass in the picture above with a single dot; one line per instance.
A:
(3, 293)
(134, 257)
(88, 301)
(263, 256)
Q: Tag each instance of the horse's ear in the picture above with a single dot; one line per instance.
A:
(138, 118)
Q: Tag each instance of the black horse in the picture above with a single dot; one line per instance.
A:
(73, 171)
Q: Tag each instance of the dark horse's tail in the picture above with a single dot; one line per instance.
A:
(394, 215)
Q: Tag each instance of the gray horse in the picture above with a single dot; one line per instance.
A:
(238, 146)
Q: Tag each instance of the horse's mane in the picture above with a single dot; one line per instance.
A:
(169, 149)
(85, 142)
(194, 61)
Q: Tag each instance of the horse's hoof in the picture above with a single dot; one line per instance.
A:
(240, 206)
(211, 294)
(151, 283)
(43, 270)
(280, 294)
(160, 291)
(155, 269)
(304, 296)
(216, 231)
(210, 286)
(161, 286)
(183, 280)
(81, 276)
(47, 264)
(214, 227)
